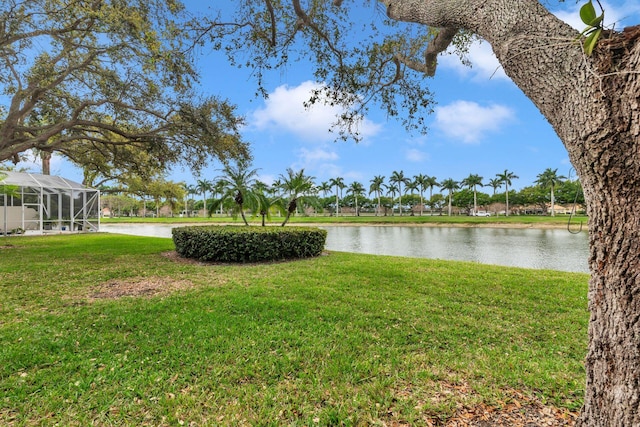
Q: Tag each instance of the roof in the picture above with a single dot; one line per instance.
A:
(37, 180)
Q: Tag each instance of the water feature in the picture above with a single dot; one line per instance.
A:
(554, 249)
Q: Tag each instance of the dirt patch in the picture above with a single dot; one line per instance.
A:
(138, 287)
(173, 256)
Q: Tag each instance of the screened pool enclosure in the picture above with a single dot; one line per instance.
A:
(33, 203)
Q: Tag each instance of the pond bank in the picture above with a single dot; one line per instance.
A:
(577, 224)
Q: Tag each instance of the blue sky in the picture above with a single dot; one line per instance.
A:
(482, 123)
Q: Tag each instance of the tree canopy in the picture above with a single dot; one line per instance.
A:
(108, 84)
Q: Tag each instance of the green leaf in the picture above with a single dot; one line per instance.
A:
(588, 13)
(596, 22)
(590, 42)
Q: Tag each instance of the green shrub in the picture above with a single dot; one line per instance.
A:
(248, 244)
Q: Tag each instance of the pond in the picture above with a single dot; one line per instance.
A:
(554, 249)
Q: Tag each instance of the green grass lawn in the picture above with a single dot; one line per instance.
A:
(370, 219)
(341, 339)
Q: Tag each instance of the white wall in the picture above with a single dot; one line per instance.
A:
(13, 218)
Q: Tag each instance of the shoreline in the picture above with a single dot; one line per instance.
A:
(575, 226)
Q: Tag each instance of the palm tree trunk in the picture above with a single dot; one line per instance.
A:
(507, 199)
(286, 219)
(244, 218)
(475, 201)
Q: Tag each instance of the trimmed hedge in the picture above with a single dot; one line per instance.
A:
(248, 244)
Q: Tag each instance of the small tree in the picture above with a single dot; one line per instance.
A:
(450, 185)
(357, 190)
(472, 182)
(377, 185)
(239, 182)
(548, 180)
(204, 186)
(297, 187)
(339, 185)
(506, 178)
(398, 179)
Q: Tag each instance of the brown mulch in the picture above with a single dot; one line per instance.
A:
(518, 410)
(519, 413)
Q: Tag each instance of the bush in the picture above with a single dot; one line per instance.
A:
(248, 244)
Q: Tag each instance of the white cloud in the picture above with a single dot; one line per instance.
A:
(415, 155)
(470, 122)
(284, 110)
(317, 154)
(318, 161)
(484, 64)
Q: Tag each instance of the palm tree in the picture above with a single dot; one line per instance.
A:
(410, 188)
(338, 183)
(450, 185)
(324, 187)
(472, 181)
(202, 186)
(392, 189)
(297, 186)
(506, 178)
(376, 187)
(549, 179)
(357, 190)
(430, 182)
(398, 178)
(420, 181)
(495, 183)
(266, 204)
(239, 184)
(189, 191)
(218, 188)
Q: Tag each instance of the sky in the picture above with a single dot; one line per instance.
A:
(482, 123)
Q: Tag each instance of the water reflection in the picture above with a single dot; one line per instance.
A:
(529, 248)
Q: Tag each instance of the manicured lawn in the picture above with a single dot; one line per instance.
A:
(341, 339)
(370, 219)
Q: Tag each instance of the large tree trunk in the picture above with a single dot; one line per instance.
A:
(593, 103)
(610, 168)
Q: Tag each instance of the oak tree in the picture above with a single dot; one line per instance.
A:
(586, 85)
(98, 80)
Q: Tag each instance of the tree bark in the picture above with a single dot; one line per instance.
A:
(45, 156)
(593, 103)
